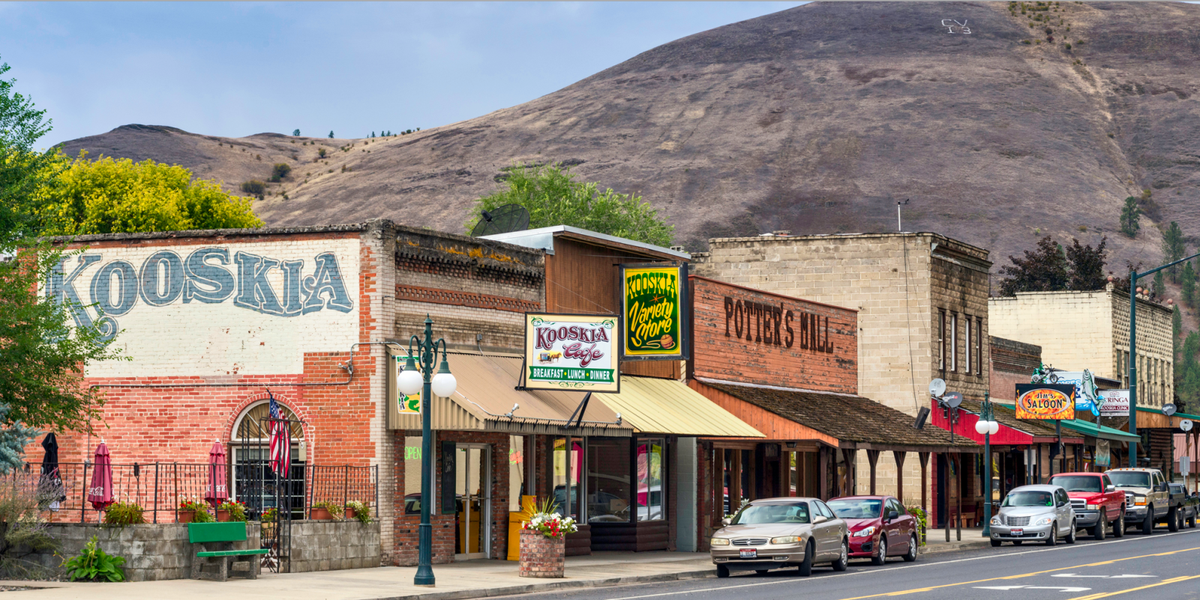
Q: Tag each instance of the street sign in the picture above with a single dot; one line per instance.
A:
(1185, 465)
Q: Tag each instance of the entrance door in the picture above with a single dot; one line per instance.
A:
(473, 501)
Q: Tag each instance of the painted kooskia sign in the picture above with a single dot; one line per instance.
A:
(654, 324)
(571, 352)
(1046, 401)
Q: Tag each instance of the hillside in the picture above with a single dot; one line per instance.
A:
(815, 119)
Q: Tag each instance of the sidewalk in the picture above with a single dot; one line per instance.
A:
(457, 581)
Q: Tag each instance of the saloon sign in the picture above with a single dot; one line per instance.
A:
(571, 352)
(1043, 401)
(653, 322)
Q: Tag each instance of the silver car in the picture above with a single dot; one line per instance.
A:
(781, 532)
(1034, 513)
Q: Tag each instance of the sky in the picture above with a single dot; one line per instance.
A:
(236, 69)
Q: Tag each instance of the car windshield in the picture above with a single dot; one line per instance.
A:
(1077, 483)
(1130, 479)
(1029, 499)
(856, 509)
(772, 513)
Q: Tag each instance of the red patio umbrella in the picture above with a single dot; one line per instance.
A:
(217, 491)
(100, 494)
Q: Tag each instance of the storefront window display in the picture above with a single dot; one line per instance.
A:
(412, 475)
(566, 466)
(516, 471)
(651, 491)
(608, 482)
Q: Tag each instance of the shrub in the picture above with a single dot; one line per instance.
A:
(362, 512)
(124, 513)
(279, 171)
(237, 510)
(254, 187)
(21, 525)
(922, 521)
(1068, 46)
(321, 152)
(94, 564)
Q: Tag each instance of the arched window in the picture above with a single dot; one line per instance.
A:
(254, 482)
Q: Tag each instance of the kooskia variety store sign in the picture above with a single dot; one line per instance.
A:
(1046, 401)
(571, 352)
(653, 323)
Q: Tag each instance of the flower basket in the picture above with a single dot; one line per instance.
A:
(350, 513)
(320, 513)
(186, 516)
(222, 516)
(542, 556)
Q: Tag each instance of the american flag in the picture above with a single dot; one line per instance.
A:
(281, 442)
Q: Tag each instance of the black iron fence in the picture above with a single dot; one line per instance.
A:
(160, 487)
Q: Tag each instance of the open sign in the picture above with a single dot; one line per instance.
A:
(1046, 402)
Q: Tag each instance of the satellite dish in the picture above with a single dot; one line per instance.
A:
(1168, 409)
(510, 217)
(1185, 425)
(937, 387)
(952, 399)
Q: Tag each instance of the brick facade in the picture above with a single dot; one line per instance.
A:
(1012, 362)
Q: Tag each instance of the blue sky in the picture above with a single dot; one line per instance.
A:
(235, 69)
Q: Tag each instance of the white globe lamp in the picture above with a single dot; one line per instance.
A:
(981, 427)
(444, 383)
(409, 381)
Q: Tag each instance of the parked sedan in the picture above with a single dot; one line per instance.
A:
(781, 532)
(1032, 513)
(879, 527)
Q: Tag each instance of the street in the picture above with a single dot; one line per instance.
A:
(1163, 566)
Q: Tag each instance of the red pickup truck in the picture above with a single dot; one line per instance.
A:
(1095, 500)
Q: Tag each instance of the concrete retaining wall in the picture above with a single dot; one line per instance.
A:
(334, 545)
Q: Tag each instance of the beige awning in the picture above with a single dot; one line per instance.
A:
(486, 394)
(667, 406)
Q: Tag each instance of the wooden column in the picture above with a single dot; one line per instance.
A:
(900, 456)
(923, 457)
(873, 459)
(850, 457)
(823, 475)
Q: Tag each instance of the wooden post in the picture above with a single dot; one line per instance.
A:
(923, 457)
(872, 458)
(958, 474)
(823, 475)
(900, 456)
(850, 457)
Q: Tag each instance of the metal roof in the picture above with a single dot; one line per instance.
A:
(543, 238)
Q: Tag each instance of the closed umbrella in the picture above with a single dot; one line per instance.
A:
(217, 475)
(100, 494)
(50, 486)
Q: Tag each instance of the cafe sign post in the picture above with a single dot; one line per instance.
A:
(654, 322)
(571, 353)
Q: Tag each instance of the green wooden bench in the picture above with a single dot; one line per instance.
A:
(224, 534)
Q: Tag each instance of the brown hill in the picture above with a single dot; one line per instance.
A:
(815, 119)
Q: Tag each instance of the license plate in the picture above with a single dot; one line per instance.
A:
(749, 553)
(1018, 532)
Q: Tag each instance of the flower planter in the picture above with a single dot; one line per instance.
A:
(542, 556)
(320, 514)
(222, 516)
(185, 516)
(350, 513)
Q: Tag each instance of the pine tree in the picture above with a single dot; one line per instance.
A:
(1130, 215)
(372, 134)
(331, 134)
(296, 133)
(1187, 284)
(1173, 247)
(1176, 327)
(13, 439)
(1160, 286)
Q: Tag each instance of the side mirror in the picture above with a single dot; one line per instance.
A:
(820, 519)
(726, 521)
(893, 515)
(1109, 489)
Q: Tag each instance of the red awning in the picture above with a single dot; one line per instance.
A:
(1010, 434)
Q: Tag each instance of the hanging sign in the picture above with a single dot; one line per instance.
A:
(1044, 401)
(1103, 453)
(405, 405)
(571, 352)
(654, 325)
(1114, 403)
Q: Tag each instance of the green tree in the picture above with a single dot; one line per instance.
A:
(1130, 217)
(1160, 286)
(1051, 268)
(296, 133)
(23, 170)
(1187, 284)
(111, 196)
(1086, 265)
(331, 134)
(1176, 328)
(1173, 247)
(553, 197)
(280, 171)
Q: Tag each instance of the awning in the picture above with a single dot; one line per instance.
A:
(1153, 418)
(850, 422)
(486, 395)
(1100, 431)
(667, 406)
(1013, 431)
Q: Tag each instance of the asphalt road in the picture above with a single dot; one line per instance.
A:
(1163, 566)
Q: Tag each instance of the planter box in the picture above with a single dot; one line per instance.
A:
(320, 514)
(185, 516)
(222, 516)
(350, 513)
(541, 556)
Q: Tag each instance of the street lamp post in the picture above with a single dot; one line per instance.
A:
(985, 426)
(409, 382)
(1133, 277)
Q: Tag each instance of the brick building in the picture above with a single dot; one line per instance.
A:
(921, 300)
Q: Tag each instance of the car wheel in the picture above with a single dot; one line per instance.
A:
(1074, 530)
(912, 549)
(843, 561)
(881, 557)
(806, 566)
(1148, 523)
(1100, 529)
(996, 543)
(722, 571)
(1192, 521)
(1173, 520)
(1053, 539)
(1119, 526)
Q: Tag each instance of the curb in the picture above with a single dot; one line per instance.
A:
(513, 590)
(955, 546)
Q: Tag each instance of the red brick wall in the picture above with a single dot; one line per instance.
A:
(753, 326)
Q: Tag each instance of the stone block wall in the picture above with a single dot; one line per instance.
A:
(334, 545)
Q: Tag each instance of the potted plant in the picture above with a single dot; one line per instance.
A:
(124, 513)
(192, 511)
(358, 510)
(922, 521)
(544, 541)
(231, 510)
(326, 510)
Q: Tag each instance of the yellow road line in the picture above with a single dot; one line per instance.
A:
(1136, 589)
(1019, 576)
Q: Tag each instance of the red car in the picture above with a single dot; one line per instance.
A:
(1096, 502)
(879, 527)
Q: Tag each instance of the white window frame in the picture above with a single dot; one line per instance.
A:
(953, 342)
(967, 347)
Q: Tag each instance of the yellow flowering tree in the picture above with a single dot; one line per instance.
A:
(118, 195)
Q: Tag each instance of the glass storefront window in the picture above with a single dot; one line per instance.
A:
(565, 472)
(516, 471)
(651, 490)
(412, 475)
(608, 481)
